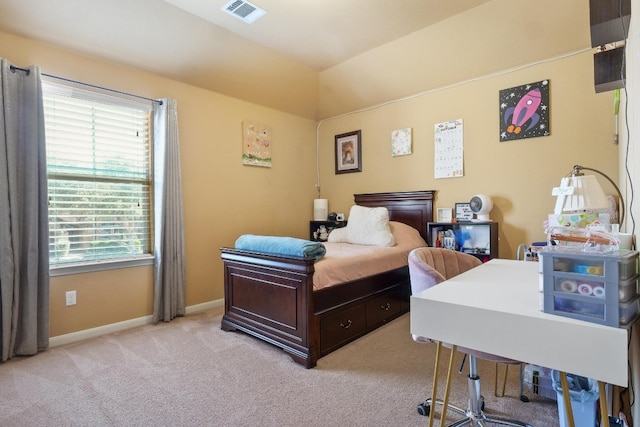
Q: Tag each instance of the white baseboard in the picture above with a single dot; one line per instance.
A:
(121, 326)
(204, 306)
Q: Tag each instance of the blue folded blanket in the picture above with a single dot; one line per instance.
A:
(288, 246)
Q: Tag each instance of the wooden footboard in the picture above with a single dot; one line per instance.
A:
(272, 298)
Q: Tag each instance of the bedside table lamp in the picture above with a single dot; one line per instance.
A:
(580, 192)
(320, 209)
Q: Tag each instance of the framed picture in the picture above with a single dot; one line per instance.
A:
(444, 215)
(464, 212)
(349, 152)
(256, 144)
(525, 111)
(401, 142)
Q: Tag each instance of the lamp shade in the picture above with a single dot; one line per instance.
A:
(320, 209)
(587, 194)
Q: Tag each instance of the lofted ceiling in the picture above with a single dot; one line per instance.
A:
(195, 42)
(324, 33)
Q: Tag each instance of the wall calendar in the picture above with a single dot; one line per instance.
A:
(448, 161)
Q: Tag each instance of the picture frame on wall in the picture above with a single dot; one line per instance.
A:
(525, 111)
(348, 152)
(256, 144)
(444, 215)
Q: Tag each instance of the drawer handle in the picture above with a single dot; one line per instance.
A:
(347, 325)
(385, 307)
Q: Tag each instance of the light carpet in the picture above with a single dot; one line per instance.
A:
(191, 373)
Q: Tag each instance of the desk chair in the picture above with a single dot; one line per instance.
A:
(429, 267)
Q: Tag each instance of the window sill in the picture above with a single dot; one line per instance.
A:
(63, 270)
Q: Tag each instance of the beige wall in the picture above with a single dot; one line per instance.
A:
(222, 198)
(459, 66)
(490, 38)
(518, 175)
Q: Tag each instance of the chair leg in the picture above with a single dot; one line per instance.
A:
(504, 381)
(431, 402)
(523, 398)
(475, 414)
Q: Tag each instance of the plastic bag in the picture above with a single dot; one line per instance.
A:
(581, 389)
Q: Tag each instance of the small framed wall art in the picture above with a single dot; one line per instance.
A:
(525, 111)
(464, 212)
(349, 152)
(256, 144)
(444, 215)
(401, 142)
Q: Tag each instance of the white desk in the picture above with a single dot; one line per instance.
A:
(495, 308)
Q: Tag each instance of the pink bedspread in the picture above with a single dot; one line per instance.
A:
(345, 262)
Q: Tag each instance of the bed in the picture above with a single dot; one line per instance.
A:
(272, 297)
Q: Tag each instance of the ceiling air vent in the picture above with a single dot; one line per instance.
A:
(244, 10)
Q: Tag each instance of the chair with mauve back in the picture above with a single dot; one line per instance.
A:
(429, 267)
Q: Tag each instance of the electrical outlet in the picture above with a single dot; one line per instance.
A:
(71, 297)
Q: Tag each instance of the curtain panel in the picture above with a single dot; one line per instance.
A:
(24, 226)
(169, 266)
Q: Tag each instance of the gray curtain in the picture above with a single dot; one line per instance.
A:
(169, 273)
(24, 226)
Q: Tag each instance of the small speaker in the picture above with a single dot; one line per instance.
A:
(609, 20)
(608, 70)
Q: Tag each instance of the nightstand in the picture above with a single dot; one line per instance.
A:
(315, 229)
(480, 237)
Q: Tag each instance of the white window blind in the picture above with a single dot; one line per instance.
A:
(99, 174)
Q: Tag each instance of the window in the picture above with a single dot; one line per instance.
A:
(99, 175)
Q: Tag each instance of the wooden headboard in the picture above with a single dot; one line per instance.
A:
(414, 208)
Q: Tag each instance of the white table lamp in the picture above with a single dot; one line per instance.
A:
(320, 209)
(579, 192)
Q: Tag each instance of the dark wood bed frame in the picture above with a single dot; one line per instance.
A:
(272, 298)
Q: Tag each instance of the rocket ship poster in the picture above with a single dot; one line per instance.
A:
(524, 111)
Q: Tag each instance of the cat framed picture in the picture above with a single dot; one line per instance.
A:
(349, 152)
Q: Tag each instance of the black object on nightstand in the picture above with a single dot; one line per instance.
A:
(319, 230)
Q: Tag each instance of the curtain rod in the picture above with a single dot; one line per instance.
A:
(26, 70)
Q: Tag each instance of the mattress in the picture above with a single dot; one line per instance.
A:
(345, 262)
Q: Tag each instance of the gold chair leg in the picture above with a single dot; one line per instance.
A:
(504, 381)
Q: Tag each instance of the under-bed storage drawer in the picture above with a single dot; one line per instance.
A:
(342, 327)
(384, 308)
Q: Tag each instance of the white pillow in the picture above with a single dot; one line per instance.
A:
(366, 226)
(338, 235)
